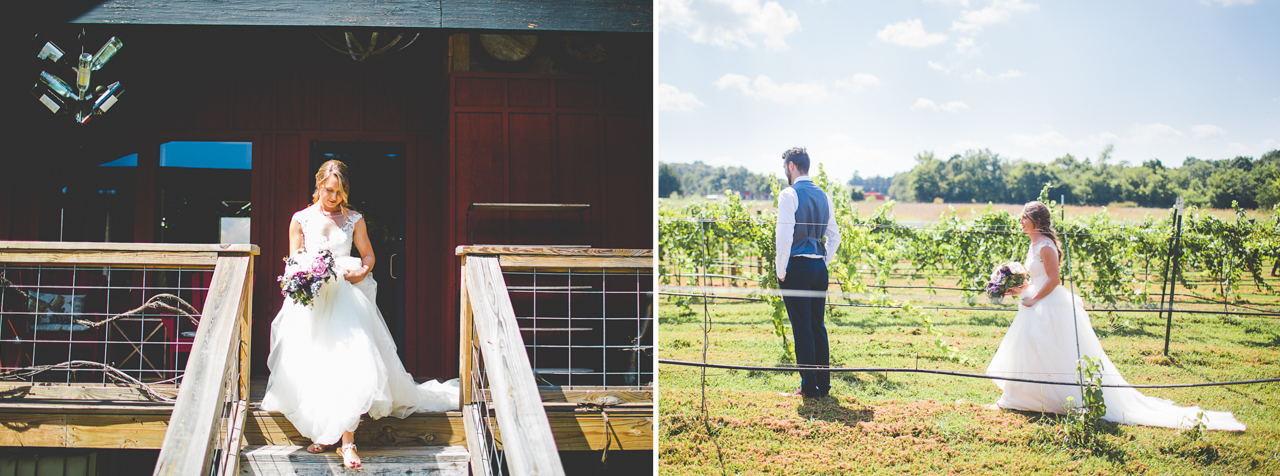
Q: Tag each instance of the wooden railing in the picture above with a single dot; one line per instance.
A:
(495, 370)
(208, 417)
(209, 409)
(530, 449)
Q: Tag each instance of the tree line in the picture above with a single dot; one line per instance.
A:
(699, 179)
(984, 176)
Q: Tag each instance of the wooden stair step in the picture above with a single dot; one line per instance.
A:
(293, 460)
(263, 428)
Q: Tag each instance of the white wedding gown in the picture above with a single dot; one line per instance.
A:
(335, 361)
(1041, 345)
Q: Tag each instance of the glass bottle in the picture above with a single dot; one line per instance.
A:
(49, 98)
(108, 50)
(57, 85)
(51, 51)
(108, 98)
(82, 73)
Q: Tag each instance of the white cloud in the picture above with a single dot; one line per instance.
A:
(1099, 140)
(1227, 3)
(966, 46)
(972, 21)
(1047, 140)
(999, 11)
(1238, 149)
(965, 28)
(923, 103)
(671, 99)
(764, 88)
(1207, 130)
(909, 33)
(979, 74)
(938, 67)
(1153, 134)
(859, 83)
(730, 23)
(952, 107)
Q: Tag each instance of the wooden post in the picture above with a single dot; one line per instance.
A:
(464, 344)
(190, 440)
(460, 52)
(528, 443)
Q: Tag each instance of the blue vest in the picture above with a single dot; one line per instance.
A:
(812, 216)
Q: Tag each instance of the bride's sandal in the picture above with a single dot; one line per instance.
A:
(315, 448)
(349, 457)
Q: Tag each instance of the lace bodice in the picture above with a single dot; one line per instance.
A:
(1035, 264)
(320, 232)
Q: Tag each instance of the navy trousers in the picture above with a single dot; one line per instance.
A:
(807, 326)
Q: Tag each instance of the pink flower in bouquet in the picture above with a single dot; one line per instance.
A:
(304, 274)
(1004, 277)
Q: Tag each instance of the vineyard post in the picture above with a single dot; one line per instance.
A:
(1174, 253)
(1168, 268)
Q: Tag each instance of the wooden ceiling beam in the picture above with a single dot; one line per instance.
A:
(523, 15)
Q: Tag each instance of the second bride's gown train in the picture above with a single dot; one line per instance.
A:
(1041, 345)
(334, 361)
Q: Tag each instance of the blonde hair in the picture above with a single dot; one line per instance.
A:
(334, 168)
(1042, 221)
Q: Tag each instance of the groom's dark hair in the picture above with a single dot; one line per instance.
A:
(799, 156)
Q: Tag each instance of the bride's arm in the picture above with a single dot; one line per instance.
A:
(366, 253)
(295, 237)
(1049, 256)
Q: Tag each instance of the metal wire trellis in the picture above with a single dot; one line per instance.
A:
(793, 368)
(585, 327)
(131, 321)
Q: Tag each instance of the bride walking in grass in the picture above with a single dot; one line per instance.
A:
(1041, 345)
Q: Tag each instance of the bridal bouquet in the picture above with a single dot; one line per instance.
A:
(304, 273)
(1005, 276)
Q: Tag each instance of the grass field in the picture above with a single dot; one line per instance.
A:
(926, 424)
(929, 212)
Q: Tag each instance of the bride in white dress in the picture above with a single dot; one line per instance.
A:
(1041, 345)
(335, 361)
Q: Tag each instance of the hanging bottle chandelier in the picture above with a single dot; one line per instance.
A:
(78, 101)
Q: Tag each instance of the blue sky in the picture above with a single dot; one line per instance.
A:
(866, 85)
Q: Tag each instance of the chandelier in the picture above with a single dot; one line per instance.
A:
(77, 101)
(350, 46)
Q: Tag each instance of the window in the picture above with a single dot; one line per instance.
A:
(202, 192)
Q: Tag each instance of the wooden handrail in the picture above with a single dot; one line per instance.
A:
(528, 444)
(160, 255)
(190, 440)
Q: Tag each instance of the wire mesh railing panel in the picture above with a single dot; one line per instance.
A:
(98, 324)
(490, 456)
(584, 327)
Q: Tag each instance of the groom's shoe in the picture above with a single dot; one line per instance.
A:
(797, 393)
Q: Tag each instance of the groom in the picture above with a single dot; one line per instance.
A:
(804, 217)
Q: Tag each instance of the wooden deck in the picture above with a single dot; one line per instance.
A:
(95, 418)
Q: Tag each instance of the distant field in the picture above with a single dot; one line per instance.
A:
(929, 212)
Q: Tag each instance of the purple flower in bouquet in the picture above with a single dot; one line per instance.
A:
(304, 275)
(1006, 276)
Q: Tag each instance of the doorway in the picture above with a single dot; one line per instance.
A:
(377, 177)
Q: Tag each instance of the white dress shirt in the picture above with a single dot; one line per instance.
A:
(788, 202)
